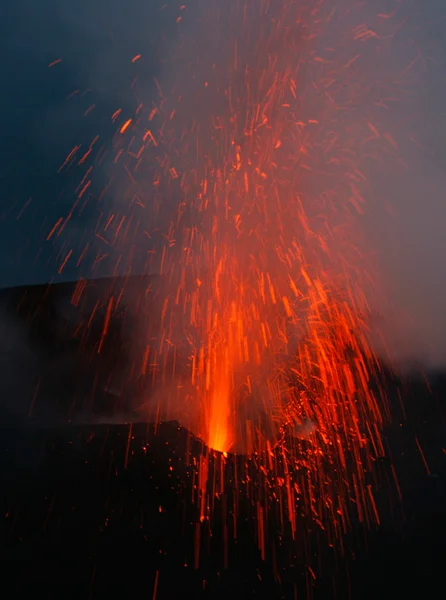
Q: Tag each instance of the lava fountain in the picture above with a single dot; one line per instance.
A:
(261, 251)
(245, 180)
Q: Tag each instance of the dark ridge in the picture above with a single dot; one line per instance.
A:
(62, 345)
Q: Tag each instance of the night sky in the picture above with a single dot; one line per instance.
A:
(96, 43)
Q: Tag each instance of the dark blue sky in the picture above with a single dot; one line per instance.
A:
(39, 126)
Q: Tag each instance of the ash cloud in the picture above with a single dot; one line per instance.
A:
(406, 216)
(406, 210)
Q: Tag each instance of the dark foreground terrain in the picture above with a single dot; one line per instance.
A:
(98, 511)
(85, 517)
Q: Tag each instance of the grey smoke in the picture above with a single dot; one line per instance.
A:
(407, 215)
(406, 205)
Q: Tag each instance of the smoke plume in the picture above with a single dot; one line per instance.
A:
(401, 155)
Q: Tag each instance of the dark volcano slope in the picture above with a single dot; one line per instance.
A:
(64, 346)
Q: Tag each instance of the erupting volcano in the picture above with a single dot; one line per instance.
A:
(265, 289)
(245, 182)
